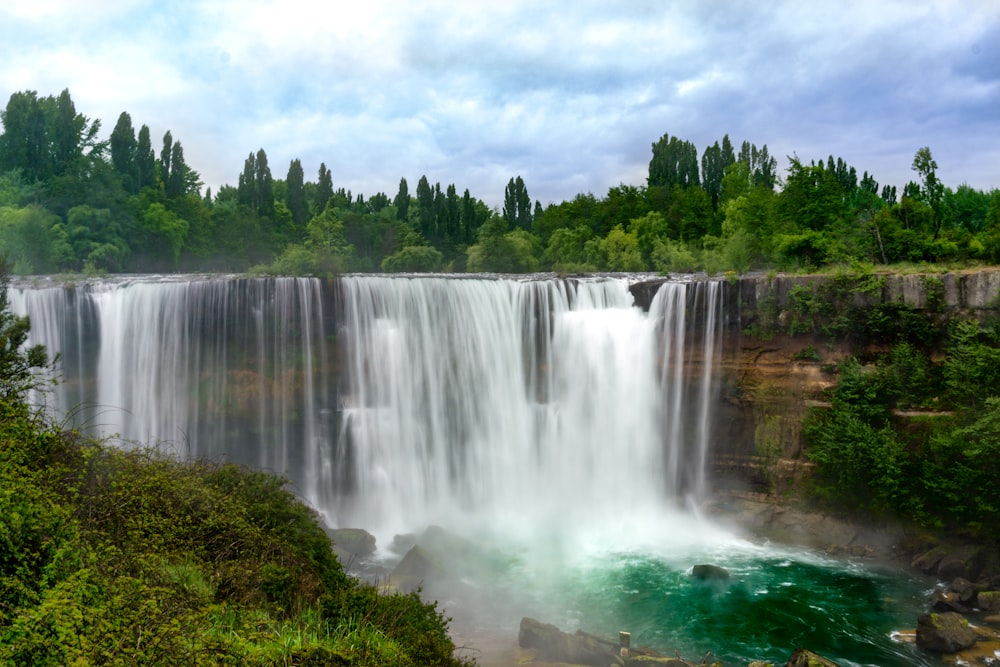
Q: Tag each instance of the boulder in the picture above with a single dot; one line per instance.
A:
(946, 632)
(417, 568)
(965, 590)
(929, 561)
(803, 658)
(989, 601)
(709, 572)
(354, 541)
(554, 645)
(965, 561)
(948, 601)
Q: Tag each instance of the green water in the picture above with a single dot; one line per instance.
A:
(773, 603)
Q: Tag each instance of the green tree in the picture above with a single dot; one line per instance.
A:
(328, 239)
(931, 189)
(674, 162)
(46, 137)
(402, 201)
(163, 230)
(427, 220)
(517, 205)
(621, 251)
(413, 259)
(714, 162)
(295, 194)
(123, 153)
(503, 251)
(33, 240)
(324, 189)
(165, 154)
(648, 230)
(182, 180)
(566, 250)
(145, 161)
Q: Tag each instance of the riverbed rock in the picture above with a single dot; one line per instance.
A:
(554, 645)
(945, 600)
(946, 632)
(989, 601)
(963, 561)
(355, 541)
(417, 569)
(966, 590)
(803, 658)
(928, 561)
(709, 572)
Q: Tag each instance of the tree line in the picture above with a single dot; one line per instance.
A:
(70, 201)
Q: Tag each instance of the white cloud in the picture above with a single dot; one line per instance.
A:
(474, 93)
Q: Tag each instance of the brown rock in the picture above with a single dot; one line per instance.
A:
(554, 645)
(989, 601)
(964, 561)
(946, 632)
(948, 601)
(804, 658)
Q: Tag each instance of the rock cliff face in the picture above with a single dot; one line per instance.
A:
(784, 337)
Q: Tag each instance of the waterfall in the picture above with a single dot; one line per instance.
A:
(522, 402)
(392, 403)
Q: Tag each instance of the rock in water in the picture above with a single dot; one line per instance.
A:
(804, 658)
(946, 632)
(354, 541)
(709, 572)
(554, 645)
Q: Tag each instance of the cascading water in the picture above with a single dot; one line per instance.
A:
(550, 420)
(211, 368)
(527, 404)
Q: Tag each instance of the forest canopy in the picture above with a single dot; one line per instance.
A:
(73, 202)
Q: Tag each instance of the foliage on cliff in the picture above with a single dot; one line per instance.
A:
(910, 431)
(113, 556)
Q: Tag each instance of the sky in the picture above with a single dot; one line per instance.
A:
(568, 95)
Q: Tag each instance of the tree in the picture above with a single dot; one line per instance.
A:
(621, 250)
(452, 216)
(295, 194)
(503, 251)
(123, 153)
(931, 190)
(324, 188)
(265, 186)
(425, 209)
(165, 154)
(256, 185)
(674, 162)
(402, 201)
(762, 165)
(714, 162)
(517, 205)
(46, 137)
(145, 162)
(178, 180)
